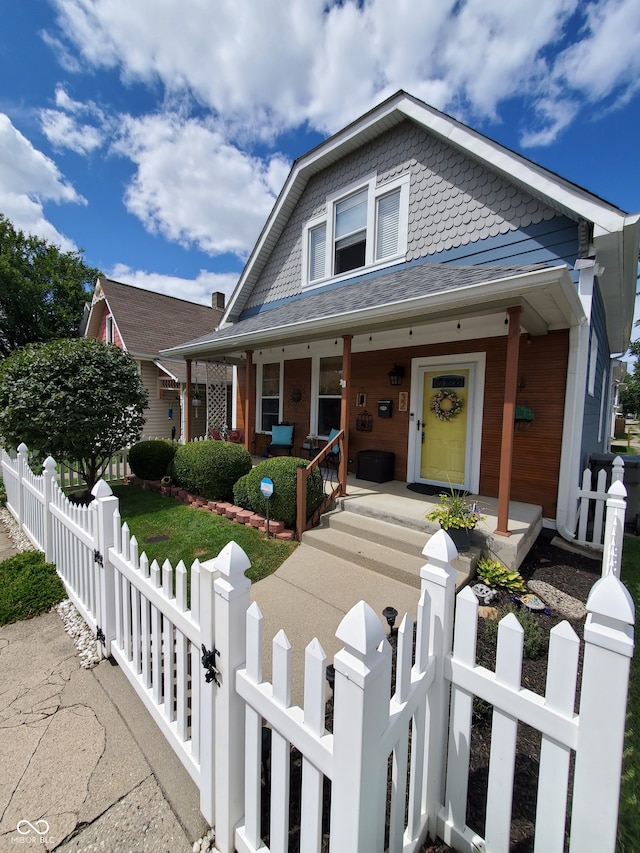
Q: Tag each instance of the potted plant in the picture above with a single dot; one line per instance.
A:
(458, 516)
(523, 416)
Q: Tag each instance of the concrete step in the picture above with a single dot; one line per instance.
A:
(383, 547)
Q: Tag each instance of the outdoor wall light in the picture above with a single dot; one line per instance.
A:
(390, 614)
(396, 374)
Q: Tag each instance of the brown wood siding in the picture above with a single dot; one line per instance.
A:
(541, 377)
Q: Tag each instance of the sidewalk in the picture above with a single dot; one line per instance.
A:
(71, 765)
(83, 760)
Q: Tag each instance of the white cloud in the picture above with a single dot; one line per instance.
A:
(194, 187)
(64, 128)
(199, 289)
(275, 64)
(28, 179)
(63, 132)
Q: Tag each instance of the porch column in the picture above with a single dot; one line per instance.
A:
(508, 411)
(344, 411)
(187, 409)
(249, 400)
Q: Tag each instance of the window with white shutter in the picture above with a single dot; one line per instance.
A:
(364, 226)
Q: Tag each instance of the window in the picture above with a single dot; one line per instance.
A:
(108, 335)
(269, 396)
(593, 361)
(329, 394)
(364, 226)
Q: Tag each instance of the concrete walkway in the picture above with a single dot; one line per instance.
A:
(82, 760)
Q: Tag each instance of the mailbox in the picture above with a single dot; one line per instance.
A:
(384, 408)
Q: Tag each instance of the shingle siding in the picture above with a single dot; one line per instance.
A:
(454, 203)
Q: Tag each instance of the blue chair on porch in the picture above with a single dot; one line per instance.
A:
(333, 457)
(281, 440)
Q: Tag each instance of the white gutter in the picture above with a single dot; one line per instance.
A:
(569, 475)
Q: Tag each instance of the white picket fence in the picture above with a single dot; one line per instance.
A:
(592, 503)
(396, 762)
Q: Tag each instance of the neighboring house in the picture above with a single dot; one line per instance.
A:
(143, 323)
(410, 266)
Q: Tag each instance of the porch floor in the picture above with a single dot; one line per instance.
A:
(394, 502)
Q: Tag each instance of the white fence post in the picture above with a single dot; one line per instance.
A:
(439, 583)
(614, 529)
(23, 457)
(360, 714)
(608, 636)
(231, 590)
(208, 573)
(106, 507)
(49, 478)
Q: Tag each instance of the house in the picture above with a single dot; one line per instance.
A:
(143, 323)
(429, 292)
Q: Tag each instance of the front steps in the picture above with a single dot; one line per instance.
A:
(381, 546)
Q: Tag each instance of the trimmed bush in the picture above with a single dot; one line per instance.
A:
(28, 586)
(283, 503)
(150, 460)
(210, 468)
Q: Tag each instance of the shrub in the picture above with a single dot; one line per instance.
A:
(28, 586)
(210, 468)
(150, 460)
(534, 636)
(283, 503)
(497, 576)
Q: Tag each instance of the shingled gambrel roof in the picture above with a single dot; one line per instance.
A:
(416, 293)
(616, 234)
(149, 322)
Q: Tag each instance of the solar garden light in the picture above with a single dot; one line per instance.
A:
(390, 614)
(331, 675)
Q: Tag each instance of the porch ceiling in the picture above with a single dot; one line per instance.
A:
(418, 295)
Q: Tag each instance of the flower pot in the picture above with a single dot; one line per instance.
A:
(461, 537)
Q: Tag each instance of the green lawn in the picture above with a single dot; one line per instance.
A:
(193, 533)
(629, 821)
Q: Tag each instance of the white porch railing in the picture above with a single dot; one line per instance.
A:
(213, 715)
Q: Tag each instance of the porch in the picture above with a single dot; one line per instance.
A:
(393, 502)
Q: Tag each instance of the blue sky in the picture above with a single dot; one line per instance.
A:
(156, 134)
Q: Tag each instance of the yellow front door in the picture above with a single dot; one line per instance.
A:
(445, 419)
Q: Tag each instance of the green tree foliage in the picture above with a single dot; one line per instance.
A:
(630, 393)
(78, 400)
(42, 290)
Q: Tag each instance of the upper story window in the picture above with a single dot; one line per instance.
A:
(109, 326)
(364, 226)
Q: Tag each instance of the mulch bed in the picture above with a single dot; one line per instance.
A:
(574, 574)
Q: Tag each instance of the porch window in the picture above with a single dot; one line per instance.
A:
(329, 394)
(269, 396)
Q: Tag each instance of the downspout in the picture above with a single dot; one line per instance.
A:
(569, 477)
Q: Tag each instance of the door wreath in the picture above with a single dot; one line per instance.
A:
(452, 405)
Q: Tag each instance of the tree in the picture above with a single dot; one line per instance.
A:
(630, 392)
(78, 400)
(42, 290)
